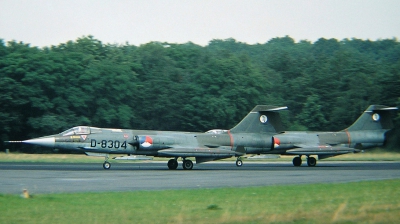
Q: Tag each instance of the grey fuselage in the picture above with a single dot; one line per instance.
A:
(162, 143)
(226, 144)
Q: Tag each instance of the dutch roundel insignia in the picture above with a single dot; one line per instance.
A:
(263, 119)
(375, 117)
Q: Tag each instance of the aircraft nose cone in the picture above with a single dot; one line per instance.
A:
(47, 142)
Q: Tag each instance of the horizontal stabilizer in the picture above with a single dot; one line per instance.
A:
(261, 108)
(373, 108)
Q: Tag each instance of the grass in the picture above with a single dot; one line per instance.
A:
(53, 158)
(358, 202)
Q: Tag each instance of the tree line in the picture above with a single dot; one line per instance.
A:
(326, 84)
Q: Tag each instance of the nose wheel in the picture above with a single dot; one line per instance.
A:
(106, 164)
(239, 162)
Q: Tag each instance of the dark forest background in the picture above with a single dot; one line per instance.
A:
(186, 87)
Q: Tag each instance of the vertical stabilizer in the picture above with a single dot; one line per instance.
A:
(262, 119)
(375, 117)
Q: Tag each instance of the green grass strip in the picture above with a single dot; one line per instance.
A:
(358, 202)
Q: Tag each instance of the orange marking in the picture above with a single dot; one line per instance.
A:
(348, 136)
(231, 137)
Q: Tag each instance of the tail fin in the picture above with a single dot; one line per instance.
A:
(263, 118)
(375, 117)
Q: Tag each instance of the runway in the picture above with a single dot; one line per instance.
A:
(41, 178)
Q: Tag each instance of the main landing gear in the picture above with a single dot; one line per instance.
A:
(172, 164)
(186, 165)
(311, 161)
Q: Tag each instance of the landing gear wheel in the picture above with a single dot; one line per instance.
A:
(172, 164)
(239, 162)
(311, 161)
(187, 164)
(297, 161)
(106, 165)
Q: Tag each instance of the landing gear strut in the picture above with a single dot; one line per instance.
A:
(106, 164)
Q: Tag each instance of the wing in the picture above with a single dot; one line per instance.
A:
(323, 151)
(196, 152)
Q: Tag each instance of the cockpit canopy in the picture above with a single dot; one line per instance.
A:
(80, 130)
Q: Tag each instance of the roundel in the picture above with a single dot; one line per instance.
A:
(277, 142)
(263, 119)
(375, 117)
(145, 141)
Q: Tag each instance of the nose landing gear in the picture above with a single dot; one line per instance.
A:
(106, 164)
(239, 162)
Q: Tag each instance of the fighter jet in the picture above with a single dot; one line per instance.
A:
(260, 132)
(368, 131)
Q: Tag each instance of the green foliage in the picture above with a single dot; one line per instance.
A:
(163, 86)
(312, 114)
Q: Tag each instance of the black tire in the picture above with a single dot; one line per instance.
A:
(187, 164)
(297, 161)
(311, 161)
(239, 162)
(172, 164)
(106, 165)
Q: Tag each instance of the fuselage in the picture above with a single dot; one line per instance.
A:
(156, 143)
(199, 144)
(169, 143)
(327, 141)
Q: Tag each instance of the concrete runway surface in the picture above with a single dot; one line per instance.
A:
(41, 178)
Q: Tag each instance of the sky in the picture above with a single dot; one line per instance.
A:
(49, 22)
